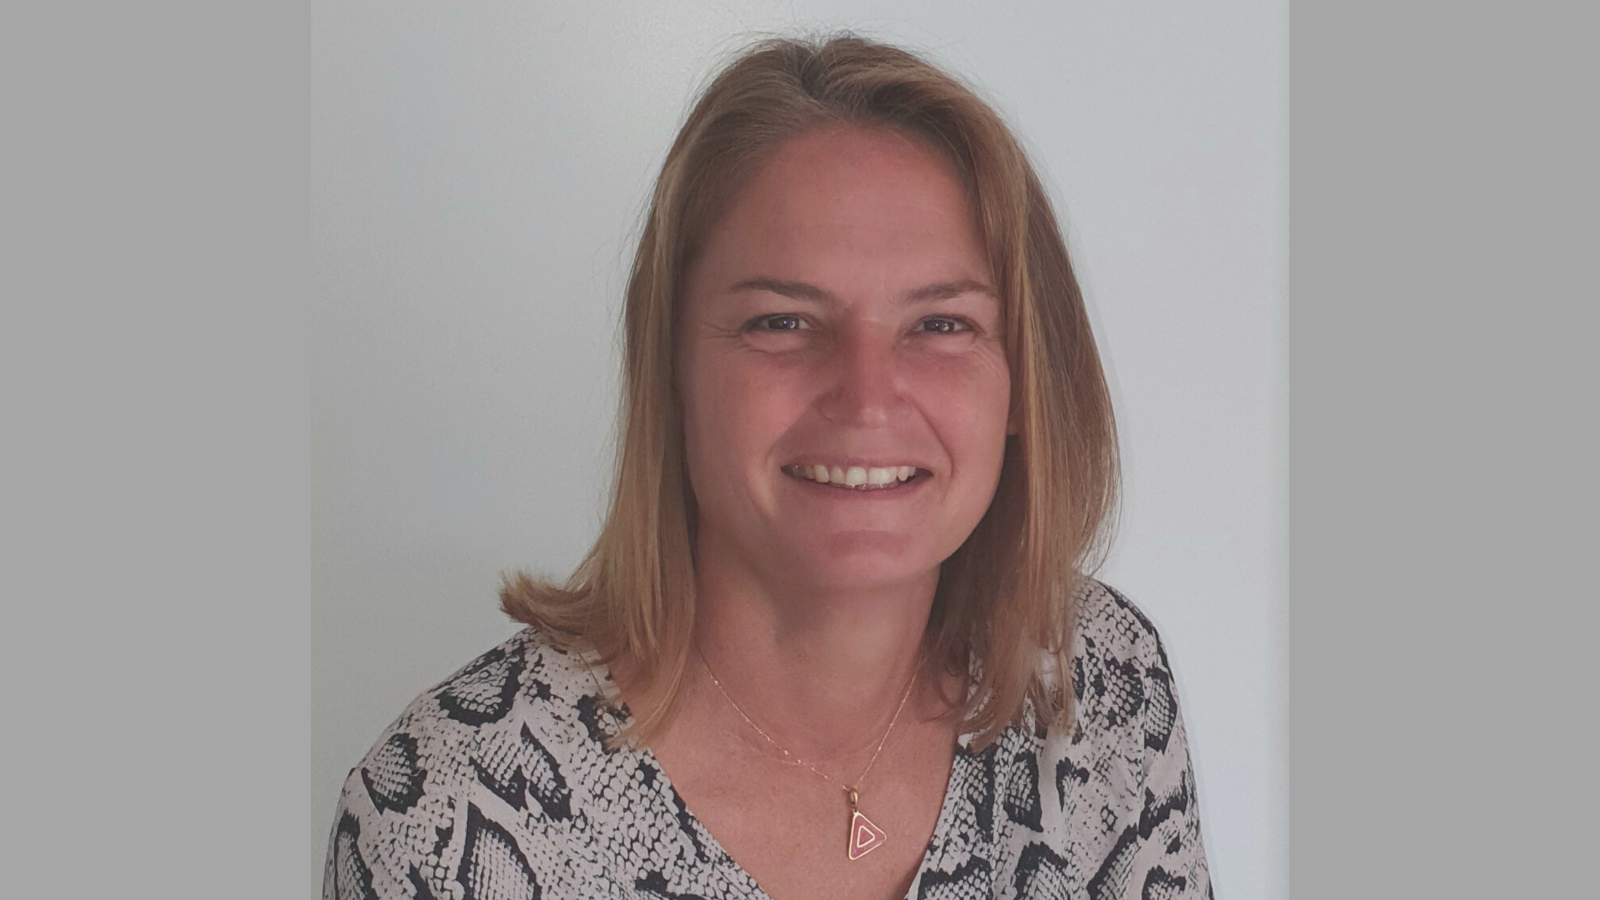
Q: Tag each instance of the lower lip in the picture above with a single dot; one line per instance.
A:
(841, 492)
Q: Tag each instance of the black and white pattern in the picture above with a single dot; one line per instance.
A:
(496, 785)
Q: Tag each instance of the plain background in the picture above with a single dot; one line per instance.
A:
(478, 175)
(155, 464)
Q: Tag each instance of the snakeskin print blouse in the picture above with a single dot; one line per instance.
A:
(497, 784)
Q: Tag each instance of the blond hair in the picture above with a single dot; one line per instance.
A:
(1006, 599)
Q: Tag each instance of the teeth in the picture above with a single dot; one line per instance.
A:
(858, 477)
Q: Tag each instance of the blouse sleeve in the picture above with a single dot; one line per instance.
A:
(1171, 860)
(458, 797)
(365, 859)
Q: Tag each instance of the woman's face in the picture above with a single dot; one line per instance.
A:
(841, 322)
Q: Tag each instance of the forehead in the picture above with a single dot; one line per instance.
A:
(849, 204)
(840, 162)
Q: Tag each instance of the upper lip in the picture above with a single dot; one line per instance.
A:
(855, 462)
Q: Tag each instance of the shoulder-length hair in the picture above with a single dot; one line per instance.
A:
(1005, 608)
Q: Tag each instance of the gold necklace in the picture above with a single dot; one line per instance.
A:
(865, 836)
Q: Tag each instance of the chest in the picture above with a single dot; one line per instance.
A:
(791, 829)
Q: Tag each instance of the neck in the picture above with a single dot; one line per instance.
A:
(821, 669)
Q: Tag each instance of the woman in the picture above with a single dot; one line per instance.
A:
(834, 639)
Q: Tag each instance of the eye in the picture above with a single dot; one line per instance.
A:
(943, 325)
(786, 322)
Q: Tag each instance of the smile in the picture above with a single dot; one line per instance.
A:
(859, 478)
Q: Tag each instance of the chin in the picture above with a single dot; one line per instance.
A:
(857, 560)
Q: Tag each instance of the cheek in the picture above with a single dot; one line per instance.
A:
(969, 398)
(983, 442)
(979, 461)
(969, 408)
(735, 414)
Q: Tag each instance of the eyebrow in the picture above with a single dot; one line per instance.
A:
(799, 290)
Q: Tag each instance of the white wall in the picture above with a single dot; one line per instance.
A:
(478, 174)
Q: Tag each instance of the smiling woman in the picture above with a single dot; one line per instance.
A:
(837, 637)
(840, 318)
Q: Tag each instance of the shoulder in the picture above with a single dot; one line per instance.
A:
(473, 765)
(523, 693)
(1120, 674)
(1123, 703)
(1111, 623)
(1115, 790)
(524, 683)
(1124, 712)
(526, 680)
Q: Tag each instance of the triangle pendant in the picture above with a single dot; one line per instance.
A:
(865, 837)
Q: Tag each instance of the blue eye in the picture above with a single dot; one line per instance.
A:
(943, 326)
(781, 323)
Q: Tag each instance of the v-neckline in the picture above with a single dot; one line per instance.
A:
(952, 794)
(944, 826)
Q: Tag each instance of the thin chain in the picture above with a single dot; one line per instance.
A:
(795, 760)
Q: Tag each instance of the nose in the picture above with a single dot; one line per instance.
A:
(863, 380)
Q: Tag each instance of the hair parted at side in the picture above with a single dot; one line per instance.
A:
(1007, 598)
